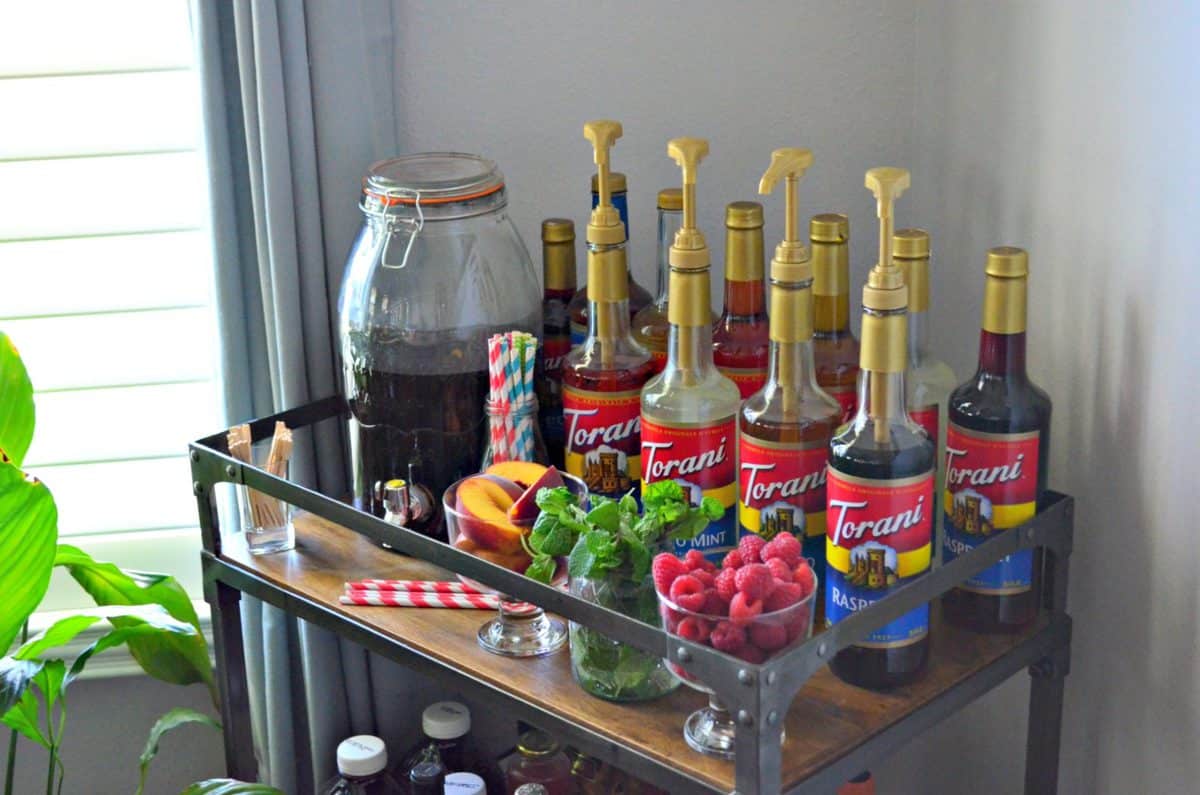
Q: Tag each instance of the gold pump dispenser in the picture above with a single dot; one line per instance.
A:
(885, 299)
(607, 275)
(688, 304)
(792, 264)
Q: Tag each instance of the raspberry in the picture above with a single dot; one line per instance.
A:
(727, 637)
(779, 569)
(785, 594)
(706, 577)
(714, 605)
(750, 548)
(733, 560)
(752, 654)
(688, 593)
(755, 580)
(726, 583)
(694, 559)
(768, 636)
(785, 546)
(682, 673)
(665, 569)
(744, 609)
(805, 577)
(695, 629)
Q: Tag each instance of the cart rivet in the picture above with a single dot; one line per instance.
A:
(745, 677)
(745, 718)
(231, 470)
(773, 717)
(195, 456)
(197, 488)
(683, 654)
(821, 649)
(771, 677)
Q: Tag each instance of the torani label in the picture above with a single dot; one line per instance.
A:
(991, 485)
(879, 533)
(554, 350)
(701, 459)
(927, 418)
(748, 379)
(781, 488)
(603, 439)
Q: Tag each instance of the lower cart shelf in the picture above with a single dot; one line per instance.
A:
(833, 730)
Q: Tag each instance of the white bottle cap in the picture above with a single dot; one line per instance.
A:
(465, 784)
(446, 720)
(361, 755)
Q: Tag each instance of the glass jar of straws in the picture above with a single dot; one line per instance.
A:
(511, 408)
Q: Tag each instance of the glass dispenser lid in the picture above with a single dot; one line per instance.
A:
(433, 177)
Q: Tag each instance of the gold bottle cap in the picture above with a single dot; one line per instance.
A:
(885, 288)
(616, 182)
(1007, 262)
(558, 230)
(910, 244)
(829, 228)
(792, 262)
(604, 226)
(670, 199)
(690, 250)
(744, 215)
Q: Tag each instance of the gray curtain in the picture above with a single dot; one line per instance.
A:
(297, 102)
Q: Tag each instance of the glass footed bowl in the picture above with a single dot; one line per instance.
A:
(520, 629)
(711, 730)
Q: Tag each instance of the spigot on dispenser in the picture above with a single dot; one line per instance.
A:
(405, 505)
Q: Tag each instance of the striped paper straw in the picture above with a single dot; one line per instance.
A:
(462, 601)
(496, 382)
(427, 586)
(529, 349)
(509, 390)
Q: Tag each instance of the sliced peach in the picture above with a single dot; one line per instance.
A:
(523, 473)
(517, 561)
(483, 504)
(525, 509)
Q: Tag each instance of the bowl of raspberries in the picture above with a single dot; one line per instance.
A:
(757, 603)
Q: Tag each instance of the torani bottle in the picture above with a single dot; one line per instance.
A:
(650, 323)
(997, 451)
(689, 410)
(834, 346)
(785, 427)
(740, 339)
(880, 484)
(639, 297)
(558, 287)
(603, 376)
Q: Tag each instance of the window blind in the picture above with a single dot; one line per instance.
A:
(105, 271)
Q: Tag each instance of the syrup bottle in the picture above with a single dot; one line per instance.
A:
(740, 339)
(997, 450)
(834, 346)
(603, 376)
(639, 297)
(786, 426)
(650, 324)
(929, 380)
(689, 410)
(880, 483)
(558, 285)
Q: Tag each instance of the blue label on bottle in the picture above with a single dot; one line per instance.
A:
(619, 201)
(578, 334)
(843, 599)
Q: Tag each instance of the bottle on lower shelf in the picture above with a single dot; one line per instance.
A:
(362, 769)
(539, 760)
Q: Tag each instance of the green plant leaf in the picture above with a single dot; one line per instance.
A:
(49, 680)
(107, 641)
(65, 630)
(28, 531)
(23, 717)
(227, 786)
(16, 403)
(171, 657)
(15, 676)
(173, 719)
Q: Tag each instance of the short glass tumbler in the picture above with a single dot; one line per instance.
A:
(266, 521)
(520, 629)
(711, 730)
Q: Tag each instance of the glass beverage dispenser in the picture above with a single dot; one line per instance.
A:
(435, 270)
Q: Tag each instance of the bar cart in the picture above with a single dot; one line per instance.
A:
(833, 730)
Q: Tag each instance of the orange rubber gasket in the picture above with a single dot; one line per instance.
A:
(388, 201)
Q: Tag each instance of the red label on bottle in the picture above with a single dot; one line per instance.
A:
(991, 485)
(847, 398)
(660, 361)
(748, 380)
(701, 459)
(603, 439)
(554, 350)
(927, 418)
(782, 487)
(878, 534)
